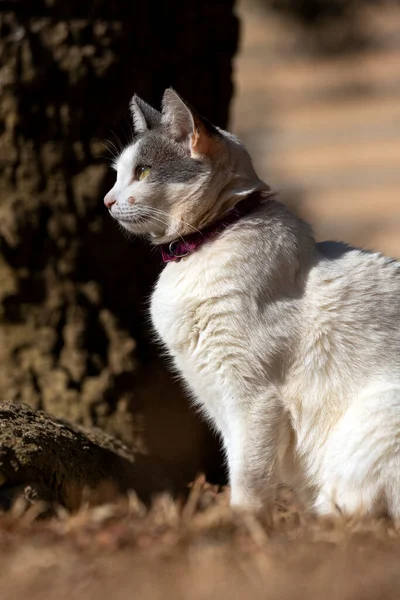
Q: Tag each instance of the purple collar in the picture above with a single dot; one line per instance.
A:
(181, 248)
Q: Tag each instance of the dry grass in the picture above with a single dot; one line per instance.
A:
(196, 550)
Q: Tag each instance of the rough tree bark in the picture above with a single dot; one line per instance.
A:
(73, 335)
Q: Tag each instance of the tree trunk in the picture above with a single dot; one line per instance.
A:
(73, 332)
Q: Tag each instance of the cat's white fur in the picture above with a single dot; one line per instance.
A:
(295, 358)
(292, 351)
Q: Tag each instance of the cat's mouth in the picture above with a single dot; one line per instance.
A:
(136, 220)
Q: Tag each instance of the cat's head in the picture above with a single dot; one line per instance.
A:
(180, 174)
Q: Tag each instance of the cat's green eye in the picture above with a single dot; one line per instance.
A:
(142, 172)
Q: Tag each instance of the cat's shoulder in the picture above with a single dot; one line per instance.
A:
(336, 250)
(354, 261)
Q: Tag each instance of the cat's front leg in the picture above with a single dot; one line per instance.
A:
(252, 444)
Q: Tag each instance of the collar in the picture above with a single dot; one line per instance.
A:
(181, 248)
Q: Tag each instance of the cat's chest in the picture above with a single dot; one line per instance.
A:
(177, 306)
(186, 303)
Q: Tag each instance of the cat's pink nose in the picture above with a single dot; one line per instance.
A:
(109, 200)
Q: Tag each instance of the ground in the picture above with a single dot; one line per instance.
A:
(198, 549)
(71, 525)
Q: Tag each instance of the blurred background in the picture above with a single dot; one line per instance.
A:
(312, 87)
(318, 105)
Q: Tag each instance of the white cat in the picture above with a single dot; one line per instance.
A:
(291, 348)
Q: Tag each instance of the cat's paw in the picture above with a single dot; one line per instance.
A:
(245, 500)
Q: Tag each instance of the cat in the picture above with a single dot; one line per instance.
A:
(290, 348)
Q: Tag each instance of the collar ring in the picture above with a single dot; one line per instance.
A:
(172, 250)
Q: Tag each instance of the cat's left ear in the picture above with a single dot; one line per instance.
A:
(185, 124)
(144, 116)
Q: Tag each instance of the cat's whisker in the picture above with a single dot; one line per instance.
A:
(131, 131)
(165, 223)
(157, 217)
(118, 140)
(113, 150)
(177, 219)
(154, 214)
(110, 160)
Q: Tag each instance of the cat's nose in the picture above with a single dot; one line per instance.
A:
(109, 200)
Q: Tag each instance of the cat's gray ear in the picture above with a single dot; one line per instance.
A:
(184, 123)
(176, 115)
(144, 116)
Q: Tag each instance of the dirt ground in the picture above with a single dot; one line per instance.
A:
(198, 550)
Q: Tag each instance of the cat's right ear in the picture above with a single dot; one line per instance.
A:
(184, 123)
(144, 116)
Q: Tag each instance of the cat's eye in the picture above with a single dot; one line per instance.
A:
(142, 172)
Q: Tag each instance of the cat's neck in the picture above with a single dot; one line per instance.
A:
(182, 247)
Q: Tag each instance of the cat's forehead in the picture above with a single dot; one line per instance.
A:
(148, 149)
(125, 160)
(153, 149)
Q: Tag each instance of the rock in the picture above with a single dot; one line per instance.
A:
(45, 458)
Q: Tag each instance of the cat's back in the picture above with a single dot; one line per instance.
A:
(353, 304)
(356, 273)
